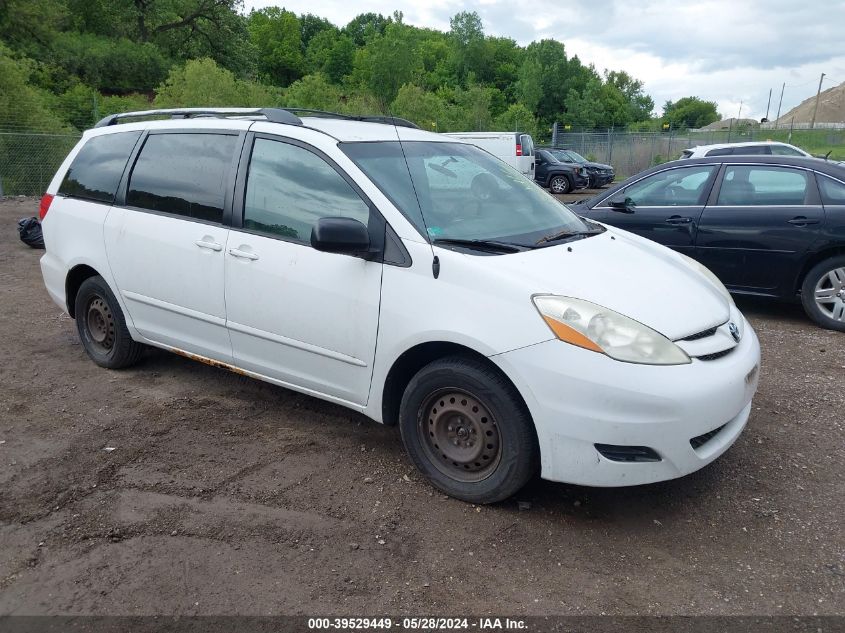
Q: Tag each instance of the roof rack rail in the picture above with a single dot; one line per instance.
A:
(367, 118)
(273, 115)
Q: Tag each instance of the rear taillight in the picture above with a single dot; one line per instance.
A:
(518, 149)
(46, 200)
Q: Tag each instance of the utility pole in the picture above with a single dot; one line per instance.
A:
(768, 105)
(816, 108)
(777, 118)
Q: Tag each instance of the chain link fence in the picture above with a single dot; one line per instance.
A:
(28, 160)
(632, 152)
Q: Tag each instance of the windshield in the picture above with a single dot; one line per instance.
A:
(568, 156)
(458, 191)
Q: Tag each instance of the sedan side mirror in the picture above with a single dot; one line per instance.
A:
(340, 235)
(622, 204)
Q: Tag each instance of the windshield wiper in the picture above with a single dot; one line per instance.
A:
(554, 237)
(487, 245)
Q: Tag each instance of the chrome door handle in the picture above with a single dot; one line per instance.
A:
(234, 252)
(214, 246)
(676, 219)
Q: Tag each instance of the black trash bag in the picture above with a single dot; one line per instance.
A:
(30, 231)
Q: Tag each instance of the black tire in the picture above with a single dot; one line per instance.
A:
(559, 184)
(102, 327)
(484, 405)
(830, 314)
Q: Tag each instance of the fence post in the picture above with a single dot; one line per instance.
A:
(609, 146)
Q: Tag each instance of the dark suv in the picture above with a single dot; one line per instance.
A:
(598, 173)
(558, 175)
(765, 225)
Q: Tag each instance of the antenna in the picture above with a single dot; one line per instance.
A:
(435, 261)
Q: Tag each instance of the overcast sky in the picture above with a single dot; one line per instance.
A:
(721, 50)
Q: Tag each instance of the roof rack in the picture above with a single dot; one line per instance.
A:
(366, 118)
(274, 115)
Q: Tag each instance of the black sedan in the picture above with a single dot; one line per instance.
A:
(771, 226)
(598, 173)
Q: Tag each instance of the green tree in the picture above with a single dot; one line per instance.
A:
(530, 84)
(315, 92)
(365, 26)
(277, 37)
(517, 118)
(22, 106)
(467, 35)
(691, 112)
(389, 61)
(201, 82)
(639, 103)
(423, 108)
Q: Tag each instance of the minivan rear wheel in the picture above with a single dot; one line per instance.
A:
(465, 427)
(102, 327)
(559, 184)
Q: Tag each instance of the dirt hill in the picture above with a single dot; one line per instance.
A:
(831, 108)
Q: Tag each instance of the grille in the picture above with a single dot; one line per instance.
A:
(628, 453)
(716, 355)
(700, 440)
(701, 335)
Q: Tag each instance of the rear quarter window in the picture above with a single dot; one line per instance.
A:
(96, 171)
(833, 191)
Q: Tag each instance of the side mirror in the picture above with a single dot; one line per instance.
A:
(340, 235)
(622, 204)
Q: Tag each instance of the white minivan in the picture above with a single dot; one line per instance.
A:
(405, 275)
(514, 148)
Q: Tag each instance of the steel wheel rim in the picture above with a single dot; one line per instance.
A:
(558, 185)
(99, 322)
(459, 435)
(830, 294)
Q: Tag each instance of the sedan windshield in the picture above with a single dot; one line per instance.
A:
(458, 192)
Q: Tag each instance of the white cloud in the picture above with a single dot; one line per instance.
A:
(721, 50)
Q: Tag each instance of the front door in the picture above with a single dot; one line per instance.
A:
(664, 206)
(764, 219)
(165, 243)
(300, 316)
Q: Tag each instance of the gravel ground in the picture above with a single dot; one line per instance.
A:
(227, 495)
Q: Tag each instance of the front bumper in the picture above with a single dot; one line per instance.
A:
(600, 180)
(579, 398)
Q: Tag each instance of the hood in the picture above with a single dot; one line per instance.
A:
(626, 273)
(591, 165)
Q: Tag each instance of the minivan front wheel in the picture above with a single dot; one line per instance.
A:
(467, 430)
(102, 327)
(823, 293)
(559, 184)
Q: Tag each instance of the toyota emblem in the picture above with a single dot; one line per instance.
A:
(734, 331)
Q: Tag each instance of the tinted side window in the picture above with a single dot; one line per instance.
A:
(95, 172)
(758, 185)
(724, 151)
(185, 174)
(833, 191)
(751, 150)
(673, 187)
(289, 188)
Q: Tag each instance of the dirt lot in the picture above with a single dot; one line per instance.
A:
(227, 495)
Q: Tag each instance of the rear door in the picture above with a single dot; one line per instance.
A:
(165, 239)
(664, 206)
(762, 220)
(306, 318)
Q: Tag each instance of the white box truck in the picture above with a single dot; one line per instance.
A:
(514, 148)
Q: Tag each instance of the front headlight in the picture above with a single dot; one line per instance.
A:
(713, 279)
(601, 330)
